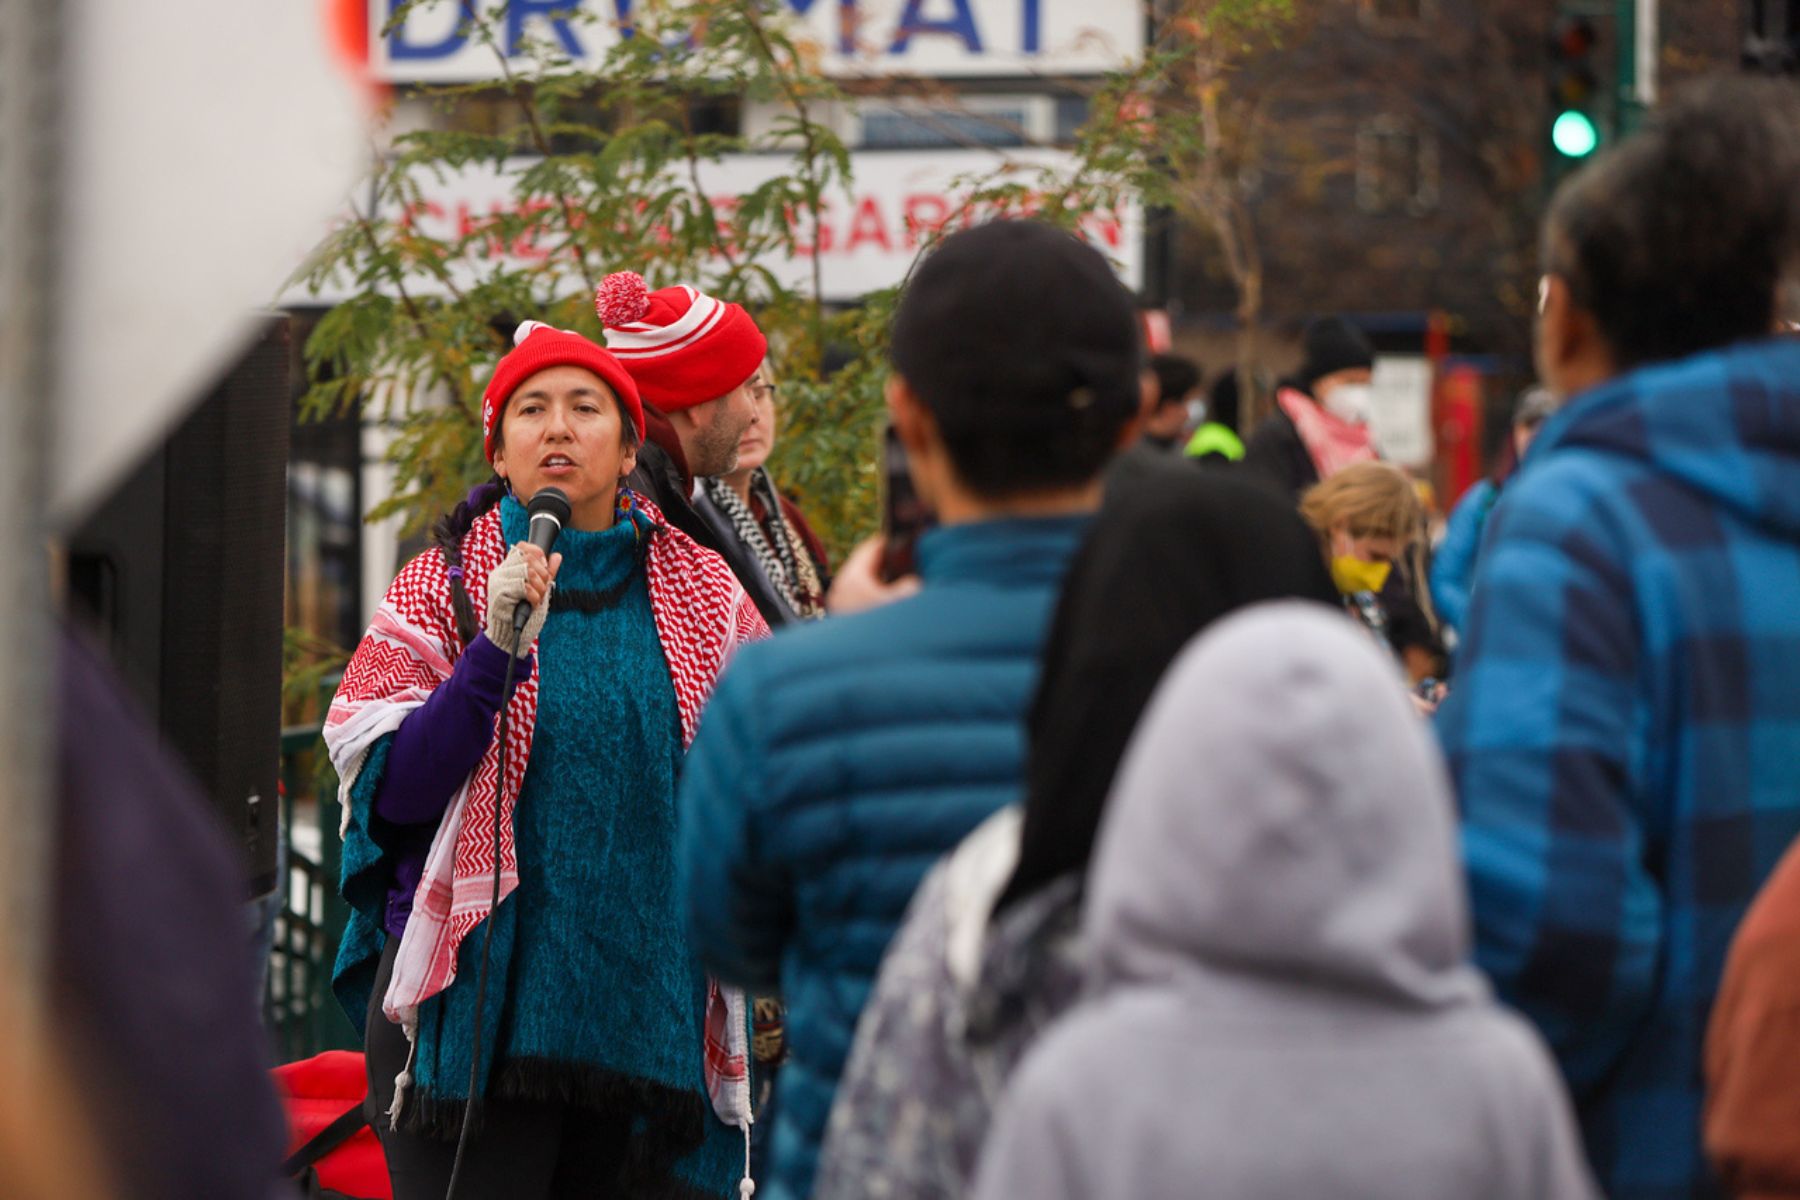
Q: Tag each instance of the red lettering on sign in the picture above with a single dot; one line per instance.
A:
(724, 209)
(465, 220)
(926, 213)
(876, 224)
(410, 214)
(468, 225)
(1102, 226)
(867, 226)
(525, 245)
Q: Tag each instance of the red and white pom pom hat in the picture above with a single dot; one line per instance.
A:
(682, 346)
(536, 347)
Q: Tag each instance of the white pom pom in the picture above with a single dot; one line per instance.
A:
(525, 330)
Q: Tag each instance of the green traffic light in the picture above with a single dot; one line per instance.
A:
(1574, 135)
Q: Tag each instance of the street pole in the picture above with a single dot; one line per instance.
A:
(31, 95)
(1637, 37)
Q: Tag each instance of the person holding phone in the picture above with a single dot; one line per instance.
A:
(838, 761)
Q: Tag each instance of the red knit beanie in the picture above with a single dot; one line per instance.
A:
(537, 346)
(682, 346)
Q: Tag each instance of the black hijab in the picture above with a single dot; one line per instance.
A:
(1172, 550)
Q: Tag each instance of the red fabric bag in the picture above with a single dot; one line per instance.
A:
(331, 1149)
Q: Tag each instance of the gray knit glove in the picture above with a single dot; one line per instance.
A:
(505, 592)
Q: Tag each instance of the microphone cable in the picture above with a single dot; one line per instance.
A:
(551, 506)
(487, 935)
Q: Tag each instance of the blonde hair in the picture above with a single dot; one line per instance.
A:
(1371, 499)
(1374, 499)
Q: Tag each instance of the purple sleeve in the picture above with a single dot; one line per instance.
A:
(443, 739)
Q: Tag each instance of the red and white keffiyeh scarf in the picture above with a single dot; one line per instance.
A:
(702, 614)
(1331, 442)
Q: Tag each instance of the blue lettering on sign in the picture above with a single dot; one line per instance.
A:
(961, 25)
(400, 48)
(846, 21)
(555, 11)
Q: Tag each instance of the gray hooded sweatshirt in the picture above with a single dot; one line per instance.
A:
(1282, 1003)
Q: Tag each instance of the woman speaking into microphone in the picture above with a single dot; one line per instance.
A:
(603, 1061)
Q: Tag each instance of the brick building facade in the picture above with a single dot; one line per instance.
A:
(1405, 164)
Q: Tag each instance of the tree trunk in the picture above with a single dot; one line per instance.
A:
(1253, 401)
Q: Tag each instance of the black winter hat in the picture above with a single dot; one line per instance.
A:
(1016, 320)
(1334, 344)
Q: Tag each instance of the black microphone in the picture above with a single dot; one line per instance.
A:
(549, 510)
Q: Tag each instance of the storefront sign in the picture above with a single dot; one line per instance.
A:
(867, 237)
(434, 42)
(1401, 411)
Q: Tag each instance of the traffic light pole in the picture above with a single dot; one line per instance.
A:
(1637, 41)
(1584, 114)
(1576, 108)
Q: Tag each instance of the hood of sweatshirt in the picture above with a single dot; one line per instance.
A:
(1282, 830)
(1725, 424)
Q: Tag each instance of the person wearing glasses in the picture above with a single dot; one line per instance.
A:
(767, 526)
(744, 508)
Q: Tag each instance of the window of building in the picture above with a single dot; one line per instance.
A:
(1071, 115)
(1396, 168)
(998, 121)
(915, 129)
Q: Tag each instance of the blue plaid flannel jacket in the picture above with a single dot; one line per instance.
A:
(1624, 732)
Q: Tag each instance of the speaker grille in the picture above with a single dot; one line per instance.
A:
(224, 527)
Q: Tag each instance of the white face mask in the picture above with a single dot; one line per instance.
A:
(1350, 402)
(1196, 412)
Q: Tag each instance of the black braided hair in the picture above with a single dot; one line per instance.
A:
(448, 533)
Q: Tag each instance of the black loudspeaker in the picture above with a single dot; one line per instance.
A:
(180, 572)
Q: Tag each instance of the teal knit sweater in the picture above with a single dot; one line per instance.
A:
(593, 995)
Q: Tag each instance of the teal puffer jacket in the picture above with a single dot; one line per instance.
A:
(835, 764)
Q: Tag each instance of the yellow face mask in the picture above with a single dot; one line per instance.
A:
(1353, 575)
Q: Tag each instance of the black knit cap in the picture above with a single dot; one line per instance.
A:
(1017, 321)
(1334, 344)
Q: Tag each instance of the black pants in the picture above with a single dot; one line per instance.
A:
(520, 1150)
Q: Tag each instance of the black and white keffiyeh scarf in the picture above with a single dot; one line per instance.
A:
(776, 546)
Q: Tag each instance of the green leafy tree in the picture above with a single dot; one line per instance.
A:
(613, 178)
(612, 181)
(1215, 137)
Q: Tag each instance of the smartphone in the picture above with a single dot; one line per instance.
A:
(904, 516)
